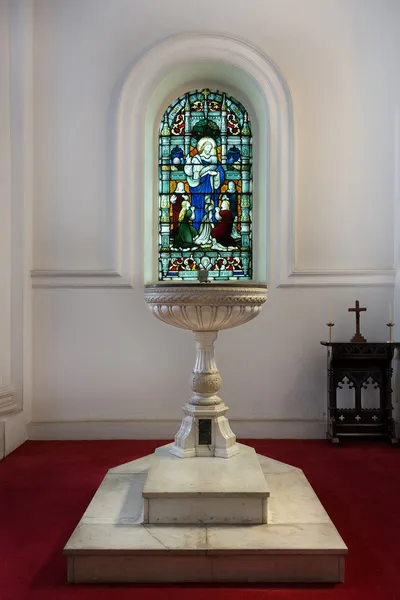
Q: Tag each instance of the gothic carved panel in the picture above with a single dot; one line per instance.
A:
(345, 397)
(370, 393)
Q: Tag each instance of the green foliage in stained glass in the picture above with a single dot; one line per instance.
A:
(205, 188)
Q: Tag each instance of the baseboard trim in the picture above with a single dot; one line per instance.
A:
(166, 429)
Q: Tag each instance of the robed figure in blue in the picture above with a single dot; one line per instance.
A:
(205, 176)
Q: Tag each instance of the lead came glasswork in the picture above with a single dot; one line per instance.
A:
(205, 188)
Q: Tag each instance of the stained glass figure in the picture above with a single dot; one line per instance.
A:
(205, 188)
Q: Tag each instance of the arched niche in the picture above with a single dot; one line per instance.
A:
(169, 69)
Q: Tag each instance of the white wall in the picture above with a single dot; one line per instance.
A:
(97, 353)
(15, 221)
(5, 195)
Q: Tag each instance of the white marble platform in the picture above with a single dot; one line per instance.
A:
(209, 490)
(113, 544)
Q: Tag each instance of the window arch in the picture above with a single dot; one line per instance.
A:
(205, 188)
(169, 69)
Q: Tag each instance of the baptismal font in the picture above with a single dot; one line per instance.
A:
(205, 508)
(205, 309)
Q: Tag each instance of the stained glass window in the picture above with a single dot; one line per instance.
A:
(205, 188)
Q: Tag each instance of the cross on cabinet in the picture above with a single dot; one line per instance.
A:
(359, 386)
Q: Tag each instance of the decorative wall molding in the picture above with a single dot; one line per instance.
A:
(46, 279)
(353, 278)
(12, 432)
(99, 279)
(7, 402)
(166, 429)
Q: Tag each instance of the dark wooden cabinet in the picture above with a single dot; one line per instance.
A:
(359, 366)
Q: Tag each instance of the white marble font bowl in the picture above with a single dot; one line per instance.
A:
(205, 306)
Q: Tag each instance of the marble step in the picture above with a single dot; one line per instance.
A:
(112, 544)
(165, 556)
(205, 490)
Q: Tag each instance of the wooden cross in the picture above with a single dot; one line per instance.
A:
(357, 337)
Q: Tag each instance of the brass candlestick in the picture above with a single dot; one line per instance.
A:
(330, 325)
(390, 325)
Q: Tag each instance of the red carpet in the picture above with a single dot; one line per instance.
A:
(46, 486)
